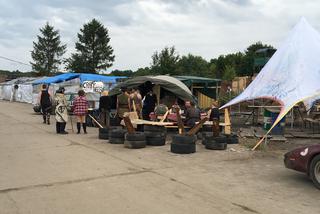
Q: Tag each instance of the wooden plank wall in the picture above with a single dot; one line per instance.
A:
(204, 101)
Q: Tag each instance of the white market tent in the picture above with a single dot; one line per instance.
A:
(23, 93)
(292, 74)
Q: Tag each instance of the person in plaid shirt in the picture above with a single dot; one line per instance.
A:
(80, 109)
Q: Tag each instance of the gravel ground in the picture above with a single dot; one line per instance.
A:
(42, 172)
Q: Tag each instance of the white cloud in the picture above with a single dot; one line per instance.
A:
(139, 28)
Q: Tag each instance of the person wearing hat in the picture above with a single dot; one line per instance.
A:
(105, 108)
(61, 111)
(123, 103)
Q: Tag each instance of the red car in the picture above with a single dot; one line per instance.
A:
(305, 159)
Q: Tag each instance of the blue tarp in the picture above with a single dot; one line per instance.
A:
(83, 77)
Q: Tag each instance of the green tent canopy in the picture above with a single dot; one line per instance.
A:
(208, 85)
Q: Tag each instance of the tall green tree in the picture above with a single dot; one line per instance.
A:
(47, 51)
(251, 53)
(127, 73)
(192, 65)
(229, 73)
(142, 72)
(93, 51)
(165, 62)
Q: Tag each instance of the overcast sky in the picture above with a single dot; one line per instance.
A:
(137, 29)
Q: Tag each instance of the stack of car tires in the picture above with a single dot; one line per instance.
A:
(183, 144)
(232, 139)
(135, 140)
(116, 136)
(215, 143)
(104, 133)
(155, 135)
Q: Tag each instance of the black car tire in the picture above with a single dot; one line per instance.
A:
(206, 128)
(137, 136)
(204, 141)
(314, 171)
(117, 133)
(232, 139)
(213, 145)
(156, 141)
(104, 136)
(219, 139)
(155, 134)
(150, 128)
(182, 148)
(206, 134)
(114, 140)
(135, 144)
(184, 139)
(104, 130)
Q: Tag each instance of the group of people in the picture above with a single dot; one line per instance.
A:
(132, 100)
(127, 101)
(60, 104)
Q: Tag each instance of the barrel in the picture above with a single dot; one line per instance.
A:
(270, 116)
(267, 121)
(279, 128)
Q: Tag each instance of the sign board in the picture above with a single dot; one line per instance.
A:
(92, 86)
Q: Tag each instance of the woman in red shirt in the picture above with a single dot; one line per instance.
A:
(80, 109)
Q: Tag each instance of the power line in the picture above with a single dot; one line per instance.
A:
(12, 60)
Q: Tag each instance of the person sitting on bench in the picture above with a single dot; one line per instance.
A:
(192, 115)
(214, 113)
(160, 110)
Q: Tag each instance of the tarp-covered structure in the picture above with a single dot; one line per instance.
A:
(206, 86)
(168, 83)
(23, 92)
(92, 84)
(82, 78)
(292, 74)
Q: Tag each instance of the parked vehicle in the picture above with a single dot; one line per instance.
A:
(305, 159)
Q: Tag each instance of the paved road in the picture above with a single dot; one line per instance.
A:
(42, 172)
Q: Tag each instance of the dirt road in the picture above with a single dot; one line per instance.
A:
(42, 172)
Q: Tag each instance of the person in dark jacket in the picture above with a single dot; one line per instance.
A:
(46, 104)
(149, 104)
(104, 108)
(192, 115)
(214, 113)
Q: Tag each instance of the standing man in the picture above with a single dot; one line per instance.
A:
(149, 104)
(46, 104)
(14, 93)
(123, 103)
(105, 108)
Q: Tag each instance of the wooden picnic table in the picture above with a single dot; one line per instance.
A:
(136, 122)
